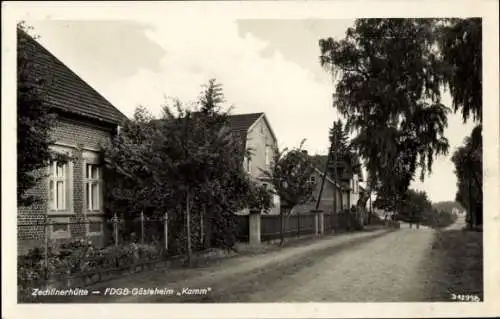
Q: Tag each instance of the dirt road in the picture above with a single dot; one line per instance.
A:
(381, 265)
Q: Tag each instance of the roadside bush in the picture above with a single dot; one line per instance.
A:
(79, 256)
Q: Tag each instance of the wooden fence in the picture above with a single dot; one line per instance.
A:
(295, 225)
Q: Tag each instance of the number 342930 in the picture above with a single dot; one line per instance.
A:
(473, 298)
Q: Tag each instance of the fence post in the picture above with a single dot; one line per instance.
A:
(142, 227)
(298, 224)
(316, 221)
(321, 222)
(254, 227)
(115, 228)
(165, 229)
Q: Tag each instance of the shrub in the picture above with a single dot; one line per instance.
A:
(78, 256)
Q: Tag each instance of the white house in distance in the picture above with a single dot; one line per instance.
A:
(258, 136)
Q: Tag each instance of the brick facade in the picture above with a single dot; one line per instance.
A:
(81, 139)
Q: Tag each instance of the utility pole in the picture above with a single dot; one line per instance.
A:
(332, 150)
(318, 200)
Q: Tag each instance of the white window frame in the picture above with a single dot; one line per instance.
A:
(90, 181)
(92, 159)
(68, 184)
(55, 180)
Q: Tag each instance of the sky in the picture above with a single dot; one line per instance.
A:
(269, 66)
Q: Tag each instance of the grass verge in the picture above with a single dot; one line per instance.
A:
(458, 257)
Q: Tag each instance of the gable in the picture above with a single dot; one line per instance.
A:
(262, 121)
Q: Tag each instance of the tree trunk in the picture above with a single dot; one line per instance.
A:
(188, 226)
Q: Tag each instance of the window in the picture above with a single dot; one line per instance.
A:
(92, 187)
(268, 157)
(248, 165)
(312, 179)
(58, 187)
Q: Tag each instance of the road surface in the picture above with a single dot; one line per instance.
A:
(381, 265)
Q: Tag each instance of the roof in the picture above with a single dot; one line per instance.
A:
(328, 178)
(240, 124)
(66, 91)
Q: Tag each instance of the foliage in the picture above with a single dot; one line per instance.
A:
(319, 161)
(469, 170)
(185, 163)
(290, 175)
(260, 198)
(461, 45)
(76, 257)
(415, 207)
(34, 119)
(389, 93)
(344, 159)
(443, 218)
(391, 72)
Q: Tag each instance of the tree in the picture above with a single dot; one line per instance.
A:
(290, 175)
(34, 120)
(460, 42)
(415, 207)
(389, 92)
(461, 46)
(183, 163)
(469, 170)
(346, 160)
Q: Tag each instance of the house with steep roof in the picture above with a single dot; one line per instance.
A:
(346, 178)
(72, 191)
(257, 135)
(330, 189)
